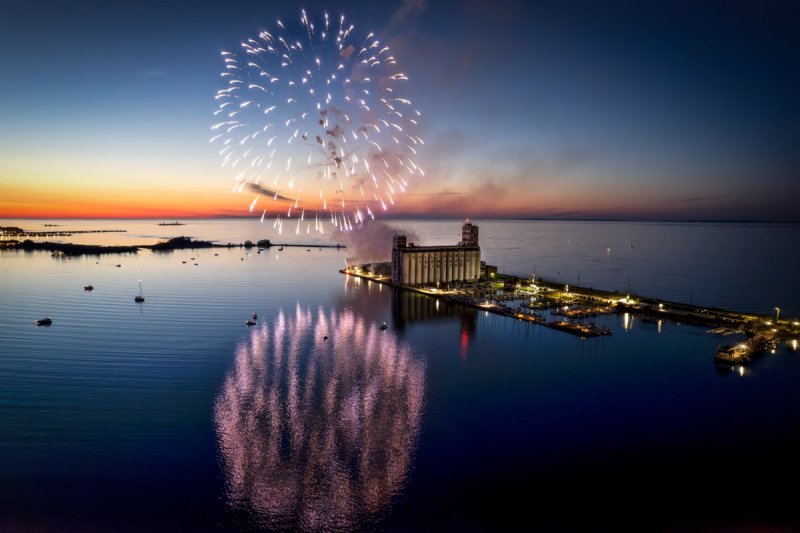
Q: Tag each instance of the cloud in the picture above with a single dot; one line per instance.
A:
(407, 10)
(434, 194)
(511, 180)
(467, 49)
(512, 169)
(695, 199)
(267, 192)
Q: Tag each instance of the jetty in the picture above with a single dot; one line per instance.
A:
(572, 305)
(579, 330)
(266, 243)
(13, 231)
(745, 351)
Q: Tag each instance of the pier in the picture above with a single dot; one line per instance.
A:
(571, 303)
(745, 351)
(579, 330)
(266, 243)
(13, 231)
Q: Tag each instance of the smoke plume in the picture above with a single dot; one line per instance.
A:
(371, 241)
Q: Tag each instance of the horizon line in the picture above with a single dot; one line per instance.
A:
(448, 217)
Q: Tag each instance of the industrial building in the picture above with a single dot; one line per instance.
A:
(431, 265)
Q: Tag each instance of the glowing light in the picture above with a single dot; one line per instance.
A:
(333, 104)
(322, 397)
(464, 344)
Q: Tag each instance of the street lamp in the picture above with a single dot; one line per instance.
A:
(777, 314)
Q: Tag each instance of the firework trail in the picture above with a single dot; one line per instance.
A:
(318, 420)
(312, 120)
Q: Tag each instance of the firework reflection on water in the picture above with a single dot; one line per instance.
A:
(319, 434)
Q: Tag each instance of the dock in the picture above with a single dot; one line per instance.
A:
(579, 330)
(745, 351)
(571, 303)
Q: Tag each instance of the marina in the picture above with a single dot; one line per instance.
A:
(569, 306)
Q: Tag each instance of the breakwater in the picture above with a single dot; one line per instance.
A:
(575, 303)
(13, 231)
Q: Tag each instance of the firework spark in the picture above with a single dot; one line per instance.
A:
(316, 111)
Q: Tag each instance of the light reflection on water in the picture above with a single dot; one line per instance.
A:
(319, 434)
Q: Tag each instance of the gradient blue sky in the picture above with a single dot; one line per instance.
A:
(678, 110)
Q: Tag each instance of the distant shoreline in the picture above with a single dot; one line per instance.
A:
(402, 217)
(176, 243)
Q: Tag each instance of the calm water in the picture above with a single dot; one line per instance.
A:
(174, 414)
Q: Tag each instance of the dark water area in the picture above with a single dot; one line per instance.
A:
(173, 414)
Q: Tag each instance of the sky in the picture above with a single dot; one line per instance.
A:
(671, 110)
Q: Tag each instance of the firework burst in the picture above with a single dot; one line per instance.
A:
(313, 122)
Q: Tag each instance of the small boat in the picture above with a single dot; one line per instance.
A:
(255, 316)
(46, 321)
(250, 322)
(384, 326)
(88, 288)
(139, 298)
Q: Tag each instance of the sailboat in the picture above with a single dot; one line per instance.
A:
(139, 298)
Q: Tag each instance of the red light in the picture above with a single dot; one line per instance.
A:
(464, 344)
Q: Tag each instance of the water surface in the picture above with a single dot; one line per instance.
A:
(174, 414)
